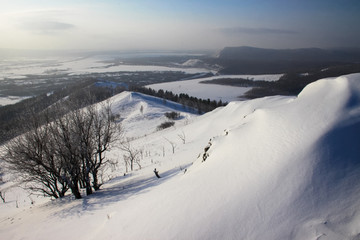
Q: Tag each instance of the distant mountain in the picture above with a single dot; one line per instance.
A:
(250, 60)
(301, 54)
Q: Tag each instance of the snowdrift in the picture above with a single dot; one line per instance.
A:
(276, 168)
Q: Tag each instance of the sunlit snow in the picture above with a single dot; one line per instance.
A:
(277, 168)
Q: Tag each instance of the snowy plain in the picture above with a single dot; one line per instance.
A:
(22, 71)
(18, 68)
(216, 92)
(277, 168)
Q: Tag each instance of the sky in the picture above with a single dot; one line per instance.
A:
(178, 25)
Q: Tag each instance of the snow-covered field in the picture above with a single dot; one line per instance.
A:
(25, 69)
(277, 168)
(20, 67)
(10, 100)
(20, 71)
(216, 92)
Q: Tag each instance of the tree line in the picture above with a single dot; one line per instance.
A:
(198, 104)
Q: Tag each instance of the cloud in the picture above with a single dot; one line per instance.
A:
(45, 26)
(44, 22)
(255, 31)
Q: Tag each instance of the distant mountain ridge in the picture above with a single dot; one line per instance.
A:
(251, 60)
(300, 54)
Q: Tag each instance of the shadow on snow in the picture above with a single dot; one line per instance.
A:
(125, 188)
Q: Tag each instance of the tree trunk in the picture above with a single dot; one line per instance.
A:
(96, 184)
(75, 190)
(88, 186)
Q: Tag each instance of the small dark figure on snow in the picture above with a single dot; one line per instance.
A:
(206, 154)
(208, 146)
(156, 173)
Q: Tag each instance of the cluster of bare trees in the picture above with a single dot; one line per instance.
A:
(56, 154)
(131, 155)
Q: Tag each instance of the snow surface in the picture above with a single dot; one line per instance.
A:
(192, 63)
(21, 67)
(216, 92)
(137, 109)
(277, 168)
(8, 100)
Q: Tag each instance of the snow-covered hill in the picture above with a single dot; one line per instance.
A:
(276, 168)
(141, 114)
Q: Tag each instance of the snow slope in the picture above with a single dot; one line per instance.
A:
(141, 114)
(277, 168)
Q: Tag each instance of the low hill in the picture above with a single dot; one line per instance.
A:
(269, 168)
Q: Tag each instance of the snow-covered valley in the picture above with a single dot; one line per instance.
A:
(276, 168)
(225, 93)
(25, 76)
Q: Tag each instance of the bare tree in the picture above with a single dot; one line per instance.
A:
(173, 145)
(95, 133)
(66, 147)
(83, 123)
(32, 157)
(182, 137)
(131, 155)
(126, 162)
(64, 152)
(2, 193)
(106, 133)
(2, 196)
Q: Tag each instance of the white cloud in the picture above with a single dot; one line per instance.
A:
(43, 21)
(45, 26)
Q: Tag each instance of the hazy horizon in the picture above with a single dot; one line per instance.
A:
(172, 25)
